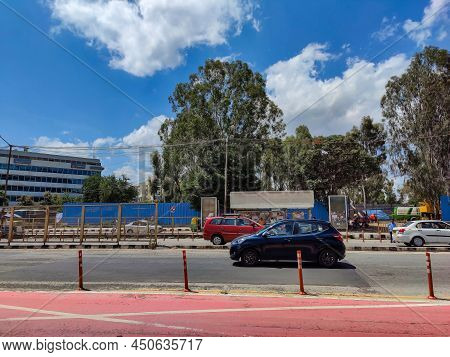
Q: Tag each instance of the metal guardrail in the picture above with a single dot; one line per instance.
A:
(53, 224)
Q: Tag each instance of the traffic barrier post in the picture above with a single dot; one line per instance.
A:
(83, 215)
(300, 272)
(186, 282)
(11, 225)
(46, 223)
(119, 223)
(430, 277)
(80, 270)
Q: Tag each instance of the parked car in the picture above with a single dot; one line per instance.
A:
(220, 230)
(141, 227)
(418, 233)
(318, 241)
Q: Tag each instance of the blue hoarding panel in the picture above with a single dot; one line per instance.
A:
(319, 211)
(179, 214)
(445, 207)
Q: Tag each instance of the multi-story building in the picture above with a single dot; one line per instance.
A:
(32, 174)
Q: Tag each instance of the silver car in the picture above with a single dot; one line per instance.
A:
(418, 233)
(141, 227)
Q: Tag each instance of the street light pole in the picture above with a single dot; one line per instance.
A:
(9, 165)
(226, 174)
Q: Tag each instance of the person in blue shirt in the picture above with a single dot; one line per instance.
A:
(391, 227)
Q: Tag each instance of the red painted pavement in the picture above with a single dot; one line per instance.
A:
(131, 314)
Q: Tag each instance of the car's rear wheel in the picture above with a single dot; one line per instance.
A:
(327, 258)
(129, 231)
(417, 242)
(249, 258)
(217, 240)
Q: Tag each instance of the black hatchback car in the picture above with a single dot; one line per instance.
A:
(318, 241)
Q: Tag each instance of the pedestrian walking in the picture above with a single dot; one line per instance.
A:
(391, 227)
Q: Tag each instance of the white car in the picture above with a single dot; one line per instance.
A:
(418, 233)
(141, 227)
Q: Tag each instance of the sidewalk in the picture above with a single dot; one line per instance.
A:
(198, 243)
(352, 245)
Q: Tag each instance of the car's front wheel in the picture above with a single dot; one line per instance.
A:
(217, 240)
(327, 258)
(417, 242)
(249, 258)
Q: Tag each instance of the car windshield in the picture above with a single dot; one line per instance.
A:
(279, 228)
(407, 224)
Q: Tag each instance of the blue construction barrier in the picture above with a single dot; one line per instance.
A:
(179, 214)
(319, 211)
(445, 208)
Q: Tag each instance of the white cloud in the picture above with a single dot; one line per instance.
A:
(346, 48)
(128, 171)
(146, 134)
(294, 85)
(434, 13)
(145, 36)
(108, 141)
(58, 147)
(230, 58)
(442, 34)
(135, 164)
(387, 29)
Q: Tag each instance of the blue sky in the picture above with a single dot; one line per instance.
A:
(304, 48)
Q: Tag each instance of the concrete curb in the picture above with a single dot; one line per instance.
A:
(367, 248)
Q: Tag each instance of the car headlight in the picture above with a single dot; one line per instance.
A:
(238, 241)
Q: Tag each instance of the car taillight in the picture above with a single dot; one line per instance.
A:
(338, 236)
(401, 230)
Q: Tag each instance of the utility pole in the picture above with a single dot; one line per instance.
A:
(226, 175)
(9, 164)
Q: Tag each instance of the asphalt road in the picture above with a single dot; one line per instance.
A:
(387, 273)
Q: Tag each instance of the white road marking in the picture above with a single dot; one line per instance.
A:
(60, 315)
(63, 315)
(281, 308)
(112, 316)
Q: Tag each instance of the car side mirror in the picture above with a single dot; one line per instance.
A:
(265, 234)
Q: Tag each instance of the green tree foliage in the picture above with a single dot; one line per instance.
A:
(374, 184)
(155, 181)
(416, 111)
(3, 198)
(326, 164)
(108, 189)
(91, 189)
(222, 100)
(48, 199)
(25, 201)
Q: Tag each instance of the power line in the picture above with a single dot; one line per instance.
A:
(364, 66)
(139, 148)
(78, 59)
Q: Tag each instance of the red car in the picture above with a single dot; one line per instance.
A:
(220, 230)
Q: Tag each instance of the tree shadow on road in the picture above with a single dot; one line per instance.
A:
(293, 265)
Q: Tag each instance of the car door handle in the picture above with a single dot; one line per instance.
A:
(289, 240)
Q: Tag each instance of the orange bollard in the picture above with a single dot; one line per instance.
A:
(300, 272)
(186, 282)
(80, 270)
(430, 277)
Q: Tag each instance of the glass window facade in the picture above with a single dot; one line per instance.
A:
(54, 170)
